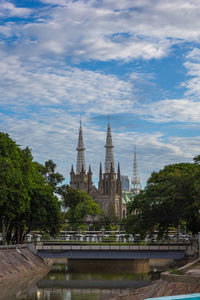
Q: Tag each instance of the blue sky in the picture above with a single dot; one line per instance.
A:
(136, 60)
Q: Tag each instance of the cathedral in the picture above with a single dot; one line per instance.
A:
(109, 192)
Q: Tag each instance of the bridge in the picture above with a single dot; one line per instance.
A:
(110, 251)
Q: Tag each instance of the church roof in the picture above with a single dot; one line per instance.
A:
(126, 196)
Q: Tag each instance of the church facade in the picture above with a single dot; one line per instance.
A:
(109, 192)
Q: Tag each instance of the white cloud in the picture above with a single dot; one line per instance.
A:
(176, 110)
(185, 109)
(192, 66)
(194, 55)
(55, 2)
(8, 9)
(105, 30)
(28, 83)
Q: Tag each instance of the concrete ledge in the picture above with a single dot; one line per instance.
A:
(189, 265)
(187, 277)
(180, 278)
(6, 247)
(113, 247)
(178, 297)
(85, 247)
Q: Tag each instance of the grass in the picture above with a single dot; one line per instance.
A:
(176, 272)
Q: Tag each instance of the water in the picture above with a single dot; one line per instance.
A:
(60, 284)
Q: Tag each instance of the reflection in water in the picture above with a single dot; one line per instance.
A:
(59, 284)
(76, 294)
(19, 287)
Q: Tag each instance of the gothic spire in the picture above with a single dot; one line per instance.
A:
(109, 151)
(80, 163)
(89, 175)
(135, 180)
(118, 172)
(100, 172)
(72, 169)
(89, 170)
(119, 185)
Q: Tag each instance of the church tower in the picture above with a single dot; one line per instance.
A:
(109, 182)
(109, 159)
(81, 180)
(109, 192)
(80, 163)
(135, 180)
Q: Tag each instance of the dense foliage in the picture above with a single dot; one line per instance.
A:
(27, 199)
(80, 207)
(170, 199)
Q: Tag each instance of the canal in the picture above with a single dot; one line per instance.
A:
(62, 284)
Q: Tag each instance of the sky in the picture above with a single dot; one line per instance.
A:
(135, 60)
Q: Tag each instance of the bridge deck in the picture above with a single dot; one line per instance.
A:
(110, 247)
(111, 251)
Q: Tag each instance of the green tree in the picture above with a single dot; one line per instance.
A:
(109, 221)
(49, 172)
(15, 180)
(171, 197)
(79, 206)
(45, 210)
(27, 200)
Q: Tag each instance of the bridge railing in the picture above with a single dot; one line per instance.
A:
(105, 239)
(107, 242)
(108, 247)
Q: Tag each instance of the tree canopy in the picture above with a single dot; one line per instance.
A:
(170, 199)
(79, 206)
(27, 200)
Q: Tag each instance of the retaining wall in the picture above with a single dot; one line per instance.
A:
(20, 260)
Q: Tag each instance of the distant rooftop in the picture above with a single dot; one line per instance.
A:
(126, 196)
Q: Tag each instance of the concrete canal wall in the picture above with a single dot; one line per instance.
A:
(170, 284)
(20, 260)
(159, 289)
